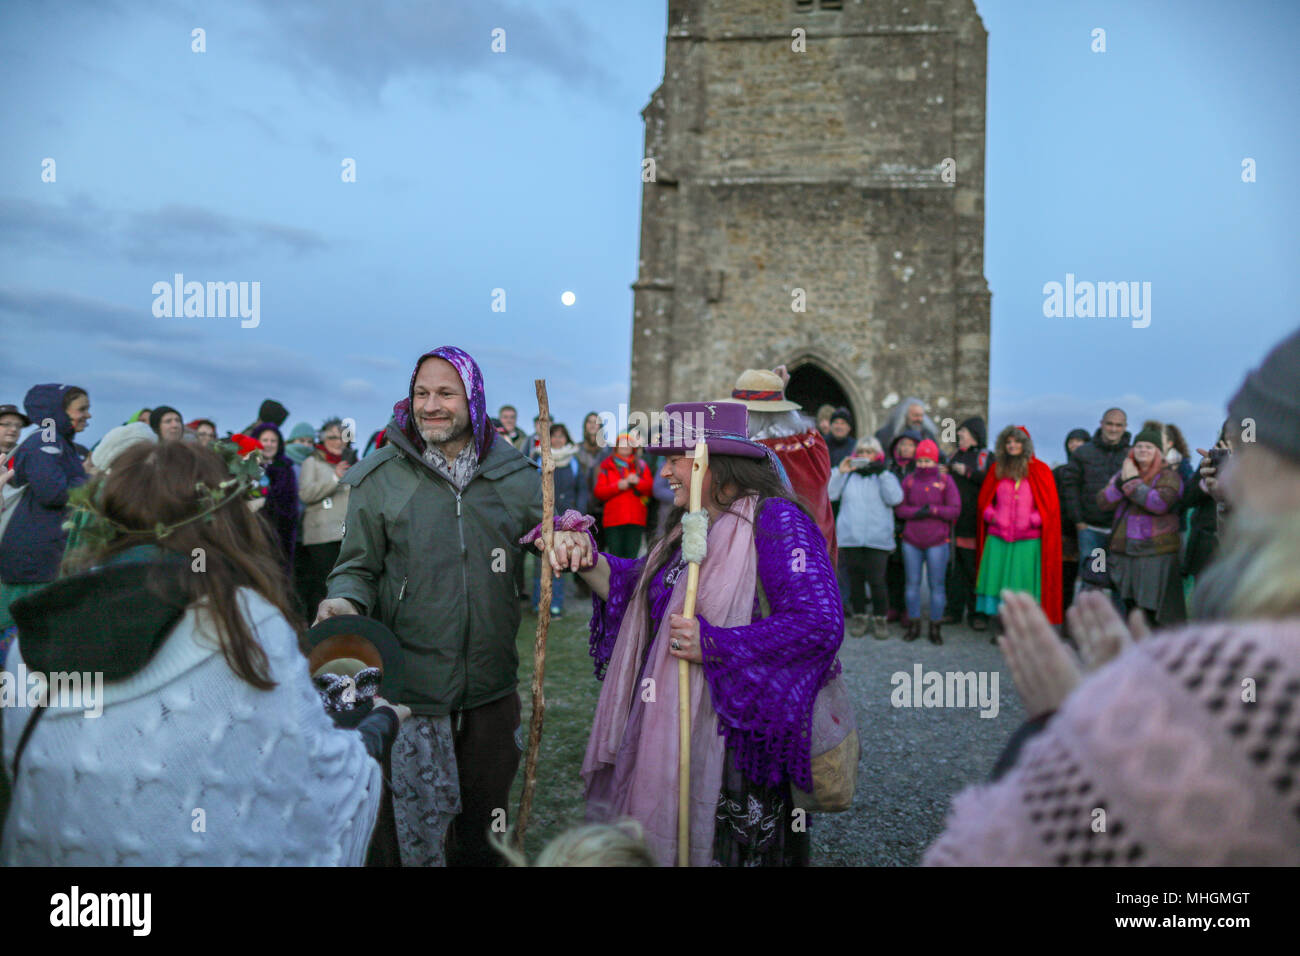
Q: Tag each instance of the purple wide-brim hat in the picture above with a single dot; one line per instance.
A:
(724, 426)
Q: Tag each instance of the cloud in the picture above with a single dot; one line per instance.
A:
(383, 363)
(361, 47)
(77, 316)
(176, 232)
(357, 388)
(173, 233)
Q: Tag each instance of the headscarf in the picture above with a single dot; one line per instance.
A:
(472, 378)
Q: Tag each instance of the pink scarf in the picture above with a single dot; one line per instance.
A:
(631, 762)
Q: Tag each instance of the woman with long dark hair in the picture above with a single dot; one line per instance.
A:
(211, 745)
(1019, 529)
(767, 626)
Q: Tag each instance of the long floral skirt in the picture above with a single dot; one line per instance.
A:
(757, 825)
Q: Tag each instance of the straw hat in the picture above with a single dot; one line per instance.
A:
(761, 390)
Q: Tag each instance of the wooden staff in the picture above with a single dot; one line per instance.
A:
(698, 467)
(543, 613)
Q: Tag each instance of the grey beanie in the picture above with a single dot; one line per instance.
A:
(118, 440)
(1270, 396)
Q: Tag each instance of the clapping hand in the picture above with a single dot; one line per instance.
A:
(1099, 630)
(1044, 668)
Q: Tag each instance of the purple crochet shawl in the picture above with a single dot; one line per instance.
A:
(472, 378)
(766, 674)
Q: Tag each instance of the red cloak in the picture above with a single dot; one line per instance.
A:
(1043, 487)
(807, 463)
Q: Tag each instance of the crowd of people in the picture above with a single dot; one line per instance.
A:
(205, 564)
(1123, 514)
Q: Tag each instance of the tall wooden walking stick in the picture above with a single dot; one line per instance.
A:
(695, 527)
(543, 613)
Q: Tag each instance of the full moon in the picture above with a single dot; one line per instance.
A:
(568, 298)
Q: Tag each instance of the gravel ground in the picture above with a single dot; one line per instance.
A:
(914, 760)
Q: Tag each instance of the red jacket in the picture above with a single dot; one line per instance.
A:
(629, 506)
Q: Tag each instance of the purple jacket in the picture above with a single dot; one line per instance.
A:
(928, 486)
(1146, 516)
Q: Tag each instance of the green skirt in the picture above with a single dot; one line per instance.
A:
(1008, 565)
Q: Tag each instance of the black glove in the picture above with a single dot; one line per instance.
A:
(922, 512)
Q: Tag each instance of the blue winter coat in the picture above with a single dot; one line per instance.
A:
(866, 518)
(33, 542)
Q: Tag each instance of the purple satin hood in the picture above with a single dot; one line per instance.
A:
(472, 378)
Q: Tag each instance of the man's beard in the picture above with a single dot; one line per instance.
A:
(454, 430)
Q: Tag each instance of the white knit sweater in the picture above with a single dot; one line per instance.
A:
(278, 783)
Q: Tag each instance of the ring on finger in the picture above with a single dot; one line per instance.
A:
(677, 645)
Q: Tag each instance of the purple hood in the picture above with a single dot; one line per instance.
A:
(472, 379)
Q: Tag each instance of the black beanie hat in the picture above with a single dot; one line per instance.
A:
(1270, 397)
(156, 417)
(844, 414)
(272, 411)
(1153, 435)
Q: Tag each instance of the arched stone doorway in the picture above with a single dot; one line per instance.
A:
(812, 387)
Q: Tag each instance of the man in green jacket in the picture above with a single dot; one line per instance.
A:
(430, 548)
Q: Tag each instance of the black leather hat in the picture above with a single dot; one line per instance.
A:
(347, 643)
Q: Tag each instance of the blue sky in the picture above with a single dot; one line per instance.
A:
(521, 171)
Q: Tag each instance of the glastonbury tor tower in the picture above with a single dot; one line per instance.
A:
(825, 155)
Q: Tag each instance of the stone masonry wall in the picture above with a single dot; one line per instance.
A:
(819, 171)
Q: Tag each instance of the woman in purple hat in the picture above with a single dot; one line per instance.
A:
(768, 624)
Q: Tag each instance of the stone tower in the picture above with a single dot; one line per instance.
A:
(824, 150)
